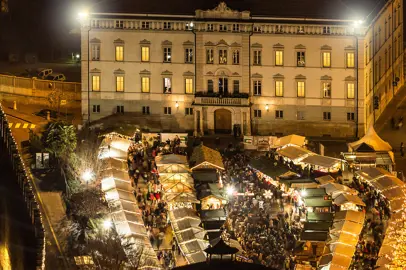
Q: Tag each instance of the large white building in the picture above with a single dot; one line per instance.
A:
(218, 68)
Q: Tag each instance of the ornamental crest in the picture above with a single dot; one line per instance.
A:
(222, 7)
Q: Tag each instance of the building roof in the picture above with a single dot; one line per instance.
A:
(223, 264)
(204, 156)
(319, 9)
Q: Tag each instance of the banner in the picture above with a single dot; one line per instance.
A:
(248, 139)
(149, 137)
(172, 136)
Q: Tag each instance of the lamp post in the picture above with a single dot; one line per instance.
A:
(83, 16)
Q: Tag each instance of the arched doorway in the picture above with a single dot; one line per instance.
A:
(222, 121)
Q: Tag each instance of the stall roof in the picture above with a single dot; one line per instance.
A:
(196, 257)
(342, 249)
(294, 152)
(394, 193)
(169, 178)
(221, 248)
(116, 140)
(325, 179)
(116, 174)
(304, 185)
(315, 202)
(396, 205)
(108, 184)
(345, 238)
(181, 197)
(314, 192)
(350, 215)
(218, 214)
(267, 166)
(372, 173)
(205, 176)
(177, 187)
(204, 156)
(190, 234)
(337, 188)
(289, 140)
(123, 216)
(317, 226)
(347, 227)
(181, 213)
(173, 169)
(196, 245)
(348, 198)
(314, 236)
(322, 161)
(387, 182)
(372, 140)
(170, 159)
(114, 163)
(312, 216)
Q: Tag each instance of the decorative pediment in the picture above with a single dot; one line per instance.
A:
(166, 43)
(235, 74)
(349, 48)
(119, 41)
(209, 73)
(278, 46)
(300, 47)
(145, 72)
(188, 43)
(209, 43)
(300, 77)
(326, 78)
(278, 76)
(235, 44)
(167, 73)
(256, 75)
(188, 74)
(145, 42)
(95, 40)
(222, 11)
(325, 48)
(95, 70)
(256, 45)
(222, 7)
(349, 78)
(222, 42)
(119, 71)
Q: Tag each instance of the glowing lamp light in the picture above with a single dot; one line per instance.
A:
(83, 15)
(267, 107)
(303, 193)
(177, 104)
(107, 224)
(87, 175)
(78, 56)
(191, 24)
(230, 190)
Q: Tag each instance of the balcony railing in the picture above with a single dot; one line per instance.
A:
(222, 101)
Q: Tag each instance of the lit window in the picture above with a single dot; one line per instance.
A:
(279, 88)
(327, 90)
(167, 55)
(222, 56)
(145, 84)
(167, 110)
(120, 83)
(119, 53)
(301, 59)
(278, 58)
(236, 57)
(257, 113)
(257, 88)
(351, 60)
(95, 52)
(301, 89)
(279, 114)
(95, 83)
(188, 111)
(326, 59)
(209, 56)
(145, 54)
(257, 57)
(327, 116)
(350, 90)
(167, 86)
(189, 86)
(188, 55)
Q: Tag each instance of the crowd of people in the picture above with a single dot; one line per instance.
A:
(267, 233)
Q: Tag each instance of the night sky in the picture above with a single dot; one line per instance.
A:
(44, 26)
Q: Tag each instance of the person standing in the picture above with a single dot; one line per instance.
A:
(402, 153)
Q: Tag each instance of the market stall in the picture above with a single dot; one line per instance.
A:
(323, 163)
(294, 153)
(325, 179)
(290, 140)
(204, 157)
(334, 189)
(348, 202)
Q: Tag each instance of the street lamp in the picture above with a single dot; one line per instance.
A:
(87, 175)
(303, 193)
(77, 56)
(107, 224)
(230, 190)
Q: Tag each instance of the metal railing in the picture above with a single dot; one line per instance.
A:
(222, 101)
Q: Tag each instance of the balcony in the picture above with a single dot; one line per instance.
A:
(215, 99)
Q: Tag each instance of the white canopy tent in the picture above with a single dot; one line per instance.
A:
(294, 153)
(371, 139)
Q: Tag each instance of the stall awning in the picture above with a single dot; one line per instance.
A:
(344, 238)
(372, 140)
(325, 179)
(311, 216)
(336, 189)
(114, 163)
(347, 227)
(111, 183)
(348, 198)
(205, 157)
(289, 140)
(322, 161)
(294, 152)
(116, 174)
(317, 202)
(181, 197)
(387, 182)
(317, 226)
(170, 159)
(350, 215)
(372, 173)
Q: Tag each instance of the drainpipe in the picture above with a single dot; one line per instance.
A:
(194, 81)
(392, 53)
(249, 72)
(357, 79)
(373, 71)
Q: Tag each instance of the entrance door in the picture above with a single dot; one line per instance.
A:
(222, 121)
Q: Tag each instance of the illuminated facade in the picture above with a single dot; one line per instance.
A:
(219, 68)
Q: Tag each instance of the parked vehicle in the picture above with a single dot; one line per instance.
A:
(42, 73)
(56, 77)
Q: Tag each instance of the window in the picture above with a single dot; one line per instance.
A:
(167, 25)
(327, 116)
(326, 59)
(145, 110)
(236, 57)
(350, 90)
(326, 30)
(145, 25)
(222, 27)
(145, 84)
(210, 27)
(350, 60)
(189, 26)
(167, 85)
(210, 86)
(300, 57)
(95, 52)
(120, 83)
(257, 88)
(300, 115)
(209, 56)
(145, 54)
(119, 24)
(257, 57)
(120, 53)
(236, 86)
(223, 86)
(120, 109)
(95, 83)
(188, 111)
(278, 58)
(257, 113)
(301, 89)
(96, 108)
(189, 86)
(279, 114)
(167, 110)
(188, 55)
(236, 27)
(167, 55)
(257, 28)
(223, 56)
(327, 90)
(350, 116)
(279, 88)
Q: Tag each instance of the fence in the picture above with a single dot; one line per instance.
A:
(8, 145)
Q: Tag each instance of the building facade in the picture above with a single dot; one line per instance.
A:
(219, 68)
